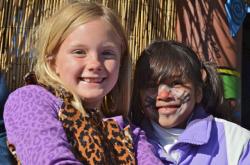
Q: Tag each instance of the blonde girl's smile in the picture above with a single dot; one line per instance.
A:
(92, 80)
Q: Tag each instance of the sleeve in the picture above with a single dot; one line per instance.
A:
(245, 156)
(32, 126)
(145, 151)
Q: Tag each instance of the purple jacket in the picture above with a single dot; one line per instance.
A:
(207, 141)
(32, 125)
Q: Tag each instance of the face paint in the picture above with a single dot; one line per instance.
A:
(150, 102)
(169, 105)
(164, 88)
(177, 93)
(185, 97)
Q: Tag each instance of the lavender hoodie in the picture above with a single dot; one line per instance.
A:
(32, 125)
(207, 141)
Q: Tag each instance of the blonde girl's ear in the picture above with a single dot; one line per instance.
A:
(51, 61)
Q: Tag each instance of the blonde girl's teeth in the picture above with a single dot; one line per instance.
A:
(86, 80)
(95, 80)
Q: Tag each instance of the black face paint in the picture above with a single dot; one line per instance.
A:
(150, 102)
(185, 97)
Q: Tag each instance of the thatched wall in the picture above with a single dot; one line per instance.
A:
(144, 21)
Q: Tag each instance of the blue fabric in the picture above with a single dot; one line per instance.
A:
(248, 9)
(236, 13)
(5, 156)
(3, 94)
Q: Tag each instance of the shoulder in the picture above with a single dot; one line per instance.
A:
(125, 124)
(33, 127)
(31, 93)
(27, 106)
(30, 99)
(237, 139)
(119, 120)
(232, 129)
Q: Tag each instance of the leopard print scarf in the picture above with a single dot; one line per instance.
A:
(94, 141)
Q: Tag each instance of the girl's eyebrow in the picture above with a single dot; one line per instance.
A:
(105, 45)
(77, 45)
(170, 79)
(111, 45)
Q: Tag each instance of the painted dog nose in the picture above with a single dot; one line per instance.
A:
(163, 92)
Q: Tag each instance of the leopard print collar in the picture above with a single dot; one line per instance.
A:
(94, 140)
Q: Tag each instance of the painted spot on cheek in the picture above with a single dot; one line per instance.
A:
(150, 102)
(185, 97)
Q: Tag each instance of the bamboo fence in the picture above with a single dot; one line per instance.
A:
(144, 21)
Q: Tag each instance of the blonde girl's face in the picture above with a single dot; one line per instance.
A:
(170, 103)
(88, 61)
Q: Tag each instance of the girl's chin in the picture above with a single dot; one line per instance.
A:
(167, 111)
(95, 100)
(166, 126)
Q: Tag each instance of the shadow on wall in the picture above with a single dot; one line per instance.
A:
(203, 25)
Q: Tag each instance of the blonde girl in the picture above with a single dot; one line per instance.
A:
(81, 76)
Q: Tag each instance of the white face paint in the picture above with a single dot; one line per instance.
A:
(177, 92)
(169, 105)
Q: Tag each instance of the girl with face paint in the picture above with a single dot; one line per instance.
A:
(175, 97)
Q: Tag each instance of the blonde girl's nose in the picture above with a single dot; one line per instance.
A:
(94, 63)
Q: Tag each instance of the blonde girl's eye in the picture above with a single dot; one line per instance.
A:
(79, 52)
(110, 54)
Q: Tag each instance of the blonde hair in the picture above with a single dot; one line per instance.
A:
(53, 32)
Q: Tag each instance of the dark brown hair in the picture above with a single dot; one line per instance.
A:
(163, 60)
